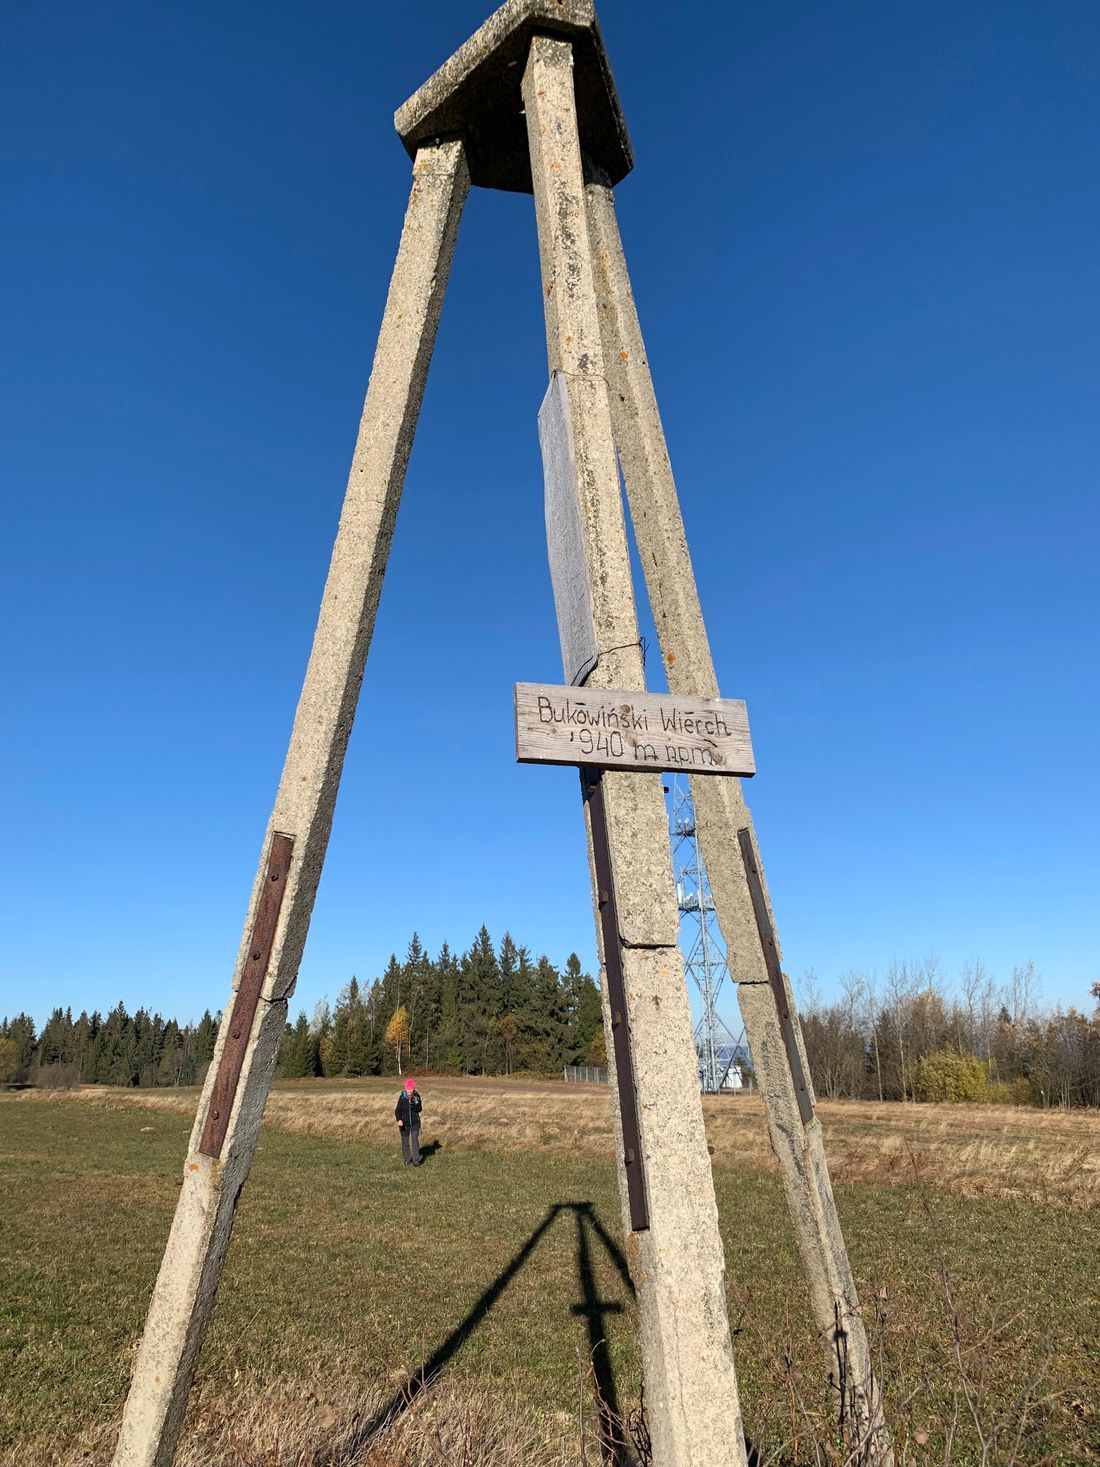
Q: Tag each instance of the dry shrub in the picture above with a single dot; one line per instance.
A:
(946, 1405)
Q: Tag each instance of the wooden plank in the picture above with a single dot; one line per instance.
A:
(247, 997)
(564, 536)
(618, 729)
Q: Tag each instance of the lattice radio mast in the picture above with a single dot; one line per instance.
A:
(720, 1051)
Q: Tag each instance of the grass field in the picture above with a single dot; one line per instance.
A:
(973, 1231)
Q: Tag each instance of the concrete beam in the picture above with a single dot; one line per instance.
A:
(184, 1296)
(677, 1263)
(720, 811)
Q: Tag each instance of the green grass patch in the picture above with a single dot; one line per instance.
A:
(341, 1256)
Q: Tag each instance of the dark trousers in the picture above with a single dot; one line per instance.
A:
(410, 1144)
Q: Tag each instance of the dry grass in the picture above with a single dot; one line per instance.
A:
(975, 1150)
(329, 1423)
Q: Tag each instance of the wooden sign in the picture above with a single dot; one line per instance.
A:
(626, 730)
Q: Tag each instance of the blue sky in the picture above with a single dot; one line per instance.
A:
(863, 241)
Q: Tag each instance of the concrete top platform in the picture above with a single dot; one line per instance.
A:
(476, 95)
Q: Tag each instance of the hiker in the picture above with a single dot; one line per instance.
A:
(407, 1111)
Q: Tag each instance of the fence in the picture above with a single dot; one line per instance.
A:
(584, 1075)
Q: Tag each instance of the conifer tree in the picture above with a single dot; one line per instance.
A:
(417, 987)
(170, 1064)
(374, 1028)
(508, 967)
(358, 1060)
(10, 1069)
(22, 1032)
(478, 1005)
(550, 1020)
(205, 1038)
(585, 1014)
(97, 1070)
(51, 1047)
(342, 1055)
(297, 1053)
(82, 1039)
(448, 1046)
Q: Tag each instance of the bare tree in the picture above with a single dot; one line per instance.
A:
(870, 992)
(976, 984)
(1021, 993)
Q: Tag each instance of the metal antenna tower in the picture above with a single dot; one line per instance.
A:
(718, 1048)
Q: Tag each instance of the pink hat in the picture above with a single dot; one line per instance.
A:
(410, 1084)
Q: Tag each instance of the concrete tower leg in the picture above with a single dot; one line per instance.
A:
(230, 1111)
(677, 1263)
(720, 812)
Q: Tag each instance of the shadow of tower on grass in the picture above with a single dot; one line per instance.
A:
(592, 1309)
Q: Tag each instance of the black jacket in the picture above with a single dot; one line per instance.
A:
(407, 1108)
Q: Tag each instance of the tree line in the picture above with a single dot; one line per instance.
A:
(910, 1036)
(485, 1011)
(119, 1049)
(907, 1035)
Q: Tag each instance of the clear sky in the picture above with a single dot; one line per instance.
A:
(864, 242)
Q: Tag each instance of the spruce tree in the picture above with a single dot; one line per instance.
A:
(297, 1053)
(51, 1047)
(22, 1031)
(549, 1027)
(416, 987)
(447, 1046)
(205, 1036)
(338, 1040)
(357, 1060)
(10, 1069)
(81, 1044)
(585, 1014)
(479, 1005)
(170, 1064)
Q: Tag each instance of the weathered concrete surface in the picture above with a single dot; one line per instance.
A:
(186, 1287)
(475, 94)
(720, 811)
(677, 1264)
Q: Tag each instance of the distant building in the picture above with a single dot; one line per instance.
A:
(732, 1068)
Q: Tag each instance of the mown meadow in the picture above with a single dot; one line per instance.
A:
(464, 1305)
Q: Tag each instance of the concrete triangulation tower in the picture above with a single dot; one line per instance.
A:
(528, 105)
